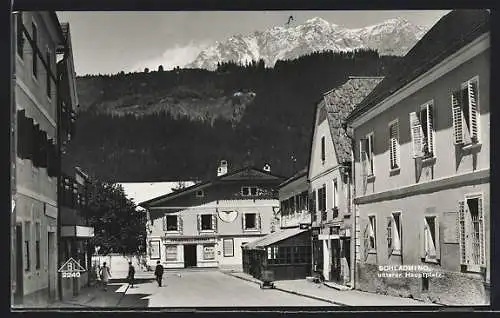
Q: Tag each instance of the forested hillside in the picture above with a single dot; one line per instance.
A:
(244, 114)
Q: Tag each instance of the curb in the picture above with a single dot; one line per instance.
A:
(294, 292)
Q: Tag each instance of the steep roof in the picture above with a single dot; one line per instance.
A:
(447, 36)
(341, 101)
(245, 173)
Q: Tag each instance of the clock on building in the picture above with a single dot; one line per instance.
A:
(228, 216)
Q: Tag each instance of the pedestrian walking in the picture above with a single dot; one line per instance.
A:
(131, 273)
(105, 276)
(159, 273)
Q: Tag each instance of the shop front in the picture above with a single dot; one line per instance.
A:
(336, 243)
(190, 252)
(286, 253)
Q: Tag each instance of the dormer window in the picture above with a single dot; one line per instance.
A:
(248, 191)
(200, 194)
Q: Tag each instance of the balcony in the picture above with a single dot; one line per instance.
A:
(296, 218)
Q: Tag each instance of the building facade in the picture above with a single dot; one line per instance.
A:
(205, 225)
(75, 230)
(421, 148)
(38, 46)
(330, 181)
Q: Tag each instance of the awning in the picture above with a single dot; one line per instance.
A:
(77, 231)
(273, 238)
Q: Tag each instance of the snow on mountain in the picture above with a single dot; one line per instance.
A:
(391, 37)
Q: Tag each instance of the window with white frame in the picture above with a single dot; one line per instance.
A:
(251, 221)
(248, 191)
(394, 144)
(465, 110)
(367, 154)
(171, 223)
(322, 202)
(394, 228)
(422, 131)
(228, 246)
(372, 233)
(471, 231)
(171, 252)
(431, 239)
(207, 222)
(335, 195)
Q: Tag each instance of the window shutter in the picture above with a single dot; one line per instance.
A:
(259, 225)
(421, 234)
(481, 231)
(366, 241)
(179, 223)
(430, 127)
(164, 223)
(199, 222)
(473, 115)
(389, 236)
(214, 222)
(394, 139)
(461, 228)
(243, 221)
(456, 109)
(416, 135)
(437, 238)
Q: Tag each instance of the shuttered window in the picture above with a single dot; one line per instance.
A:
(471, 231)
(372, 232)
(366, 145)
(465, 111)
(422, 131)
(394, 144)
(431, 242)
(228, 246)
(394, 229)
(37, 246)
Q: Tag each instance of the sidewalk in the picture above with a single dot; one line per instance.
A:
(343, 298)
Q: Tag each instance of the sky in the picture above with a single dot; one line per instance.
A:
(108, 42)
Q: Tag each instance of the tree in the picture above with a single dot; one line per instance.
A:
(160, 68)
(118, 226)
(146, 70)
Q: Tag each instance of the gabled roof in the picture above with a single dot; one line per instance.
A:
(341, 101)
(245, 173)
(447, 36)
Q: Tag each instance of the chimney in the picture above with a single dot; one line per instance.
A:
(267, 167)
(222, 170)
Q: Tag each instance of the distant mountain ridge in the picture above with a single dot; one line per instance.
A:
(391, 37)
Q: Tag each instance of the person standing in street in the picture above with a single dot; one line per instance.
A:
(105, 276)
(159, 273)
(131, 274)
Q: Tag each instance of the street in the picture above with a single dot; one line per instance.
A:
(211, 289)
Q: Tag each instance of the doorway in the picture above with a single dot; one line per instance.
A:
(335, 261)
(190, 255)
(18, 295)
